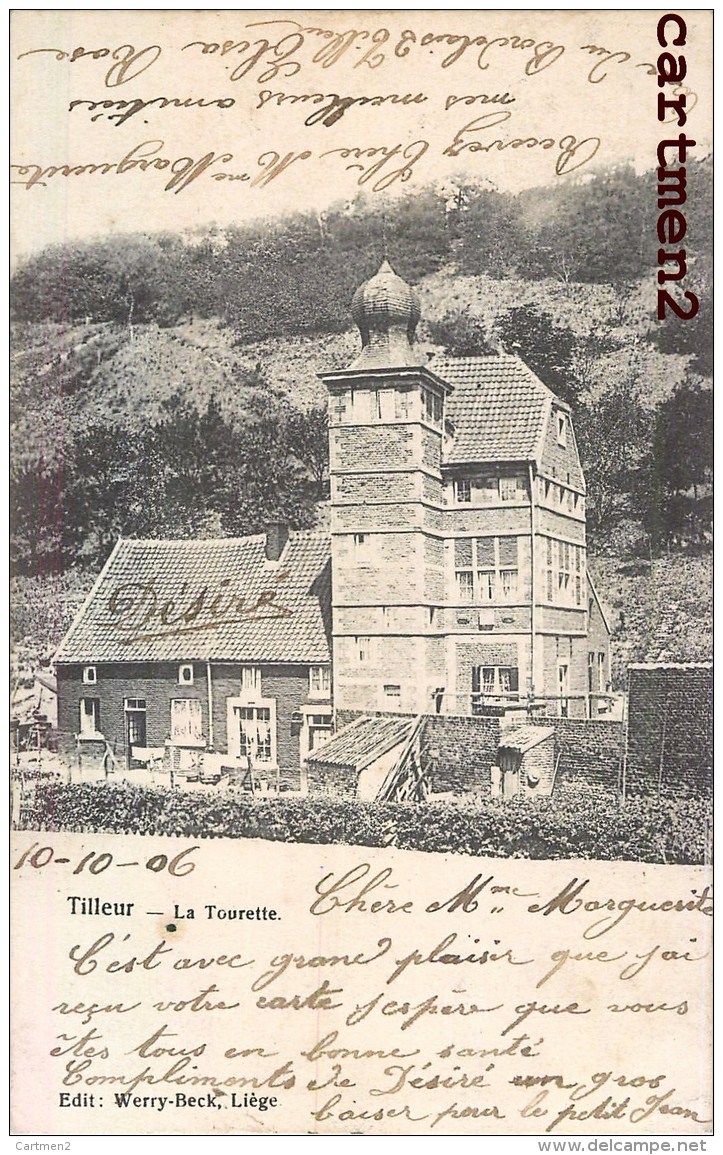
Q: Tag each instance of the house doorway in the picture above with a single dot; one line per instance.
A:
(316, 727)
(135, 727)
(252, 732)
(509, 762)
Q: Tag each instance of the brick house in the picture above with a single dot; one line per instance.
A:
(455, 582)
(459, 575)
(198, 645)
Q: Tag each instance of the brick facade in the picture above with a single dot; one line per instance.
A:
(157, 684)
(589, 753)
(669, 731)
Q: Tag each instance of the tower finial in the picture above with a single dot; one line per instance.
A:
(386, 310)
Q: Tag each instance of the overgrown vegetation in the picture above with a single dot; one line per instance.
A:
(588, 825)
(167, 385)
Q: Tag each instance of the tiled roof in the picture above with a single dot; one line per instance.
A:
(364, 740)
(498, 407)
(219, 600)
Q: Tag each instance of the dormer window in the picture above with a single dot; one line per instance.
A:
(90, 676)
(185, 675)
(561, 429)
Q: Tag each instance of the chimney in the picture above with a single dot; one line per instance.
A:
(277, 535)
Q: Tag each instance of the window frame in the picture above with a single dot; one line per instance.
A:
(90, 675)
(491, 680)
(321, 692)
(392, 696)
(487, 578)
(84, 732)
(253, 691)
(364, 649)
(185, 681)
(176, 739)
(462, 485)
(509, 489)
(562, 429)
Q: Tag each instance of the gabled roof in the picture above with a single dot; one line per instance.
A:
(217, 600)
(499, 408)
(364, 740)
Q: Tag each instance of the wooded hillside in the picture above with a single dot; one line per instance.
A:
(166, 385)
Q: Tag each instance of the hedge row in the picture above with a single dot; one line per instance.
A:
(588, 826)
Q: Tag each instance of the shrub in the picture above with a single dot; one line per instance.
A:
(588, 825)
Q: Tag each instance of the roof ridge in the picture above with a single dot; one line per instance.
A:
(320, 534)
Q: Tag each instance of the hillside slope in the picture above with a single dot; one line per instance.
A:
(67, 376)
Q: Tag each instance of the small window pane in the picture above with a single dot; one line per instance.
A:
(465, 585)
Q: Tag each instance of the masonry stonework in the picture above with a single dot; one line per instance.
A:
(670, 731)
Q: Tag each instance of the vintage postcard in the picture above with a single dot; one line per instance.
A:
(362, 574)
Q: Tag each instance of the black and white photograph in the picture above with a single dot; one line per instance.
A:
(361, 455)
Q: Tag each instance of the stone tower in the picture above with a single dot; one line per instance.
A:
(386, 427)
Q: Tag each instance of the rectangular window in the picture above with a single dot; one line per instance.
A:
(89, 717)
(363, 650)
(486, 569)
(432, 406)
(186, 722)
(256, 738)
(185, 675)
(90, 676)
(465, 585)
(405, 404)
(362, 548)
(462, 491)
(561, 429)
(601, 679)
(508, 579)
(563, 568)
(250, 681)
(392, 696)
(319, 681)
(510, 489)
(550, 580)
(361, 405)
(486, 585)
(383, 405)
(489, 491)
(494, 684)
(339, 408)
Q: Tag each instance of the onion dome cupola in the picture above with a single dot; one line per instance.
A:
(386, 310)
